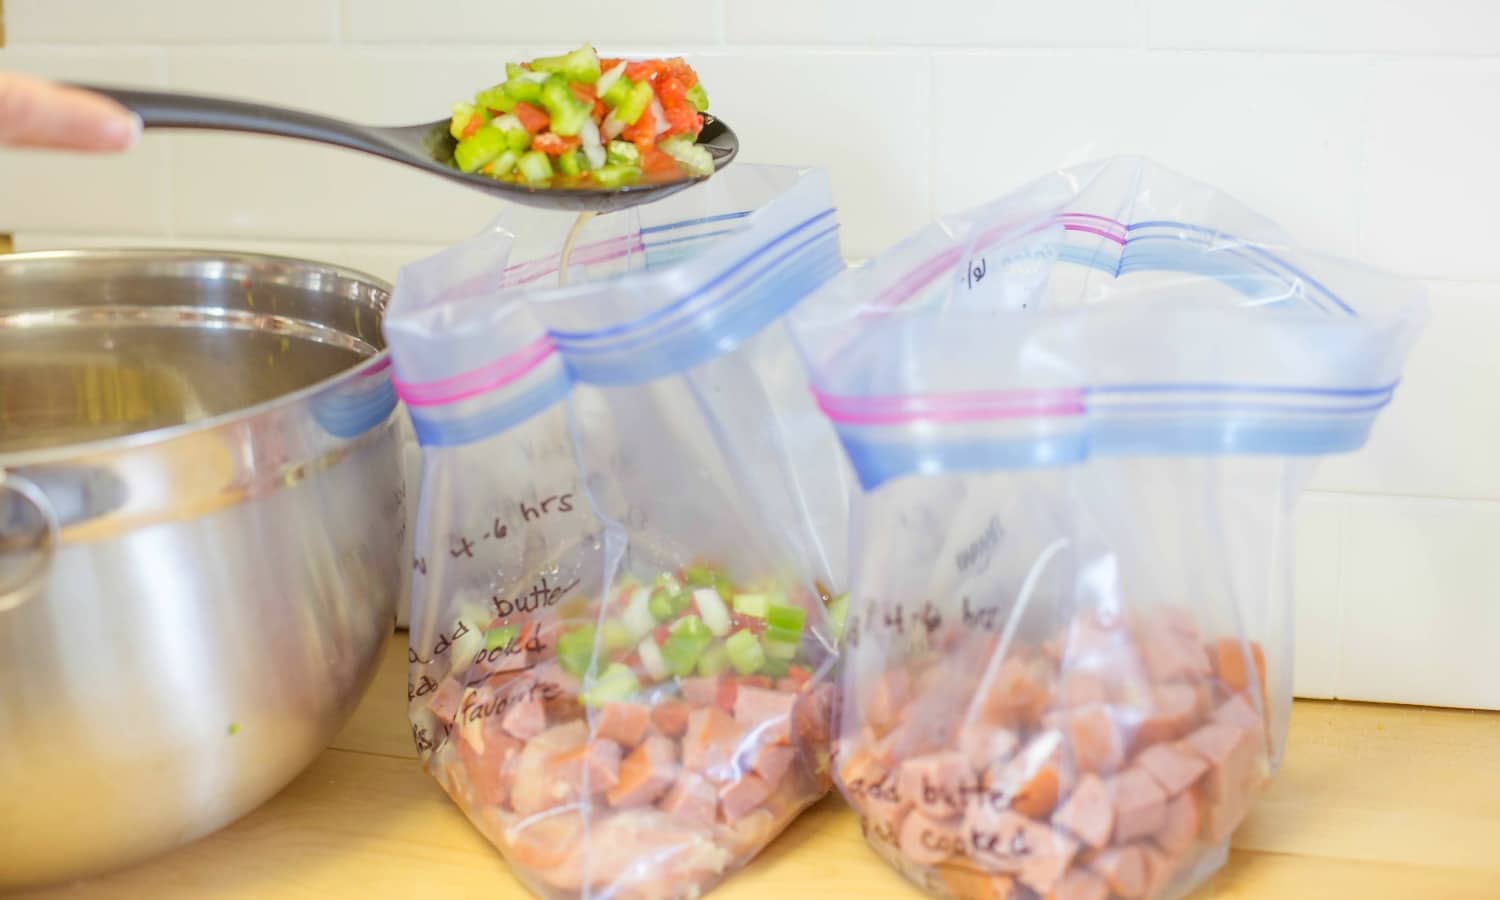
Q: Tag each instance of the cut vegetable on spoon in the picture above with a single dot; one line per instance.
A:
(549, 136)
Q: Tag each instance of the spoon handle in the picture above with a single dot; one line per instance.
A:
(162, 109)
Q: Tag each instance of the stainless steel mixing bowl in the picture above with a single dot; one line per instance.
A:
(200, 541)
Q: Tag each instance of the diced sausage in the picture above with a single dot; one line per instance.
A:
(1174, 768)
(1080, 688)
(1233, 755)
(887, 700)
(444, 701)
(1018, 694)
(964, 881)
(670, 717)
(623, 723)
(711, 742)
(1238, 710)
(1089, 812)
(486, 772)
(986, 746)
(1230, 665)
(544, 843)
(1080, 884)
(526, 718)
(937, 784)
(1161, 868)
(1175, 709)
(1170, 656)
(1140, 805)
(1094, 739)
(767, 712)
(1009, 842)
(738, 798)
(1181, 830)
(645, 774)
(927, 841)
(771, 762)
(812, 717)
(589, 769)
(692, 799)
(534, 788)
(1124, 869)
(699, 691)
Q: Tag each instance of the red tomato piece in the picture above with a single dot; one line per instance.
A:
(532, 118)
(644, 70)
(655, 162)
(606, 64)
(475, 122)
(728, 690)
(643, 132)
(660, 634)
(678, 68)
(554, 144)
(798, 674)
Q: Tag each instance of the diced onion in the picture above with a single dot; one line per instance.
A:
(651, 659)
(609, 78)
(659, 115)
(638, 616)
(612, 127)
(712, 610)
(593, 147)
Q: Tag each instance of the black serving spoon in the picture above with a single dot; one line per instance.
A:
(428, 147)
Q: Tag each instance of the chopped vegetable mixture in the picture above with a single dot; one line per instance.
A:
(578, 121)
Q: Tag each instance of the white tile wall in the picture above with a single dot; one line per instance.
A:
(1367, 127)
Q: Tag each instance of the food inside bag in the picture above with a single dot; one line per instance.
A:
(1081, 417)
(630, 537)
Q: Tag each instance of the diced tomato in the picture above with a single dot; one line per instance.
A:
(554, 144)
(728, 690)
(655, 162)
(678, 68)
(606, 64)
(660, 634)
(644, 70)
(756, 625)
(798, 674)
(760, 681)
(683, 119)
(532, 119)
(643, 132)
(475, 122)
(589, 95)
(670, 90)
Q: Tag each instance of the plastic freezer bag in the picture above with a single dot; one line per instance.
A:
(632, 516)
(1081, 417)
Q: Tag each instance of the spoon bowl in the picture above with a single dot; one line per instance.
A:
(428, 146)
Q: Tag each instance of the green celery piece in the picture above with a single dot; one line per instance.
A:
(579, 65)
(698, 97)
(616, 93)
(681, 651)
(791, 618)
(696, 576)
(568, 163)
(724, 586)
(783, 635)
(681, 600)
(714, 661)
(634, 104)
(565, 111)
(613, 176)
(574, 649)
(462, 113)
(625, 153)
(617, 683)
(780, 650)
(523, 89)
(503, 165)
(471, 153)
(660, 605)
(514, 71)
(776, 668)
(615, 636)
(694, 158)
(495, 99)
(838, 612)
(496, 638)
(516, 136)
(693, 627)
(753, 605)
(745, 652)
(535, 167)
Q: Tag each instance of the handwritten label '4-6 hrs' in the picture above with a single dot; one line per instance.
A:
(464, 546)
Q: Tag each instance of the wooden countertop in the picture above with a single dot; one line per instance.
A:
(1373, 802)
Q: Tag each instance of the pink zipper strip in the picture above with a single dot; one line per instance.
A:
(487, 378)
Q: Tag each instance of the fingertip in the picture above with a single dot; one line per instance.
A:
(120, 132)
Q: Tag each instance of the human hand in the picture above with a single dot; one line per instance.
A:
(38, 113)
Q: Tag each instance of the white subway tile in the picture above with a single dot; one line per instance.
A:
(1440, 437)
(968, 23)
(1421, 580)
(1433, 26)
(860, 116)
(1431, 180)
(169, 21)
(1280, 135)
(557, 25)
(45, 190)
(1316, 668)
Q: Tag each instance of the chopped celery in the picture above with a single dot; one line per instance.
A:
(651, 659)
(694, 158)
(661, 605)
(776, 668)
(495, 99)
(711, 607)
(714, 661)
(617, 683)
(783, 635)
(566, 112)
(535, 167)
(515, 71)
(569, 164)
(669, 581)
(516, 136)
(574, 649)
(500, 637)
(791, 618)
(685, 645)
(681, 600)
(615, 636)
(780, 649)
(838, 612)
(637, 617)
(698, 97)
(502, 165)
(580, 65)
(617, 92)
(474, 151)
(523, 89)
(627, 154)
(635, 103)
(693, 627)
(699, 576)
(613, 176)
(753, 605)
(745, 652)
(462, 113)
